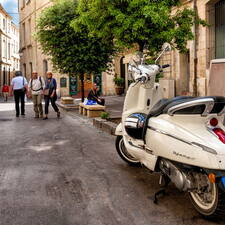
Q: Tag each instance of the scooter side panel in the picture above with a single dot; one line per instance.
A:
(119, 130)
(171, 137)
(147, 159)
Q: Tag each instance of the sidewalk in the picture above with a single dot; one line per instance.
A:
(114, 106)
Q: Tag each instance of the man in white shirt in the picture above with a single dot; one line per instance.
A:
(36, 86)
(19, 88)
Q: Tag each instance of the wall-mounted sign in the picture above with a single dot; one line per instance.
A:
(63, 82)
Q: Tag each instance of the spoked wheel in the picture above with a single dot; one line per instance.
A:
(210, 203)
(124, 154)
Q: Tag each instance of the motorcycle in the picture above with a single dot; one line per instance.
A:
(182, 139)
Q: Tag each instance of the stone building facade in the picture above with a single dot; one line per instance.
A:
(190, 72)
(192, 69)
(9, 47)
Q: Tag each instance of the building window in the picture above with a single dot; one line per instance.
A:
(3, 49)
(4, 25)
(220, 29)
(63, 82)
(24, 34)
(31, 68)
(24, 70)
(45, 67)
(9, 55)
(30, 32)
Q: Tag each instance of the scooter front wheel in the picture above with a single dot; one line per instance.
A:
(210, 204)
(124, 154)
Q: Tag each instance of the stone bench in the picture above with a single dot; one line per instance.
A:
(67, 100)
(91, 110)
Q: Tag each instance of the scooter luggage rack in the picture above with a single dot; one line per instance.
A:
(208, 102)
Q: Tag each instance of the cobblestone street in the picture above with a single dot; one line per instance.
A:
(65, 172)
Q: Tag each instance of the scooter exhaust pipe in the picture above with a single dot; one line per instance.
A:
(178, 177)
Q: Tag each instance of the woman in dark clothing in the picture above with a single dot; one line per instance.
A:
(50, 95)
(93, 95)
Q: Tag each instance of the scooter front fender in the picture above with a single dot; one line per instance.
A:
(119, 130)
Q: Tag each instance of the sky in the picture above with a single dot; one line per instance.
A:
(11, 7)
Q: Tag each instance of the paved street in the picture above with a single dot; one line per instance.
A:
(65, 172)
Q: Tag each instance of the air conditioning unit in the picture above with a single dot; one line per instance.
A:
(216, 85)
(167, 87)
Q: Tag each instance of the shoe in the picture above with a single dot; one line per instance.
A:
(17, 115)
(45, 118)
(23, 114)
(41, 116)
(36, 116)
(58, 114)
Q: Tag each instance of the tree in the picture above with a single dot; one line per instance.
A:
(71, 51)
(146, 23)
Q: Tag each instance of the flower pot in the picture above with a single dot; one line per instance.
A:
(119, 90)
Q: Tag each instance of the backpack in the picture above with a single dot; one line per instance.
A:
(31, 85)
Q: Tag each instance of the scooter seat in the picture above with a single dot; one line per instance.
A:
(160, 106)
(219, 103)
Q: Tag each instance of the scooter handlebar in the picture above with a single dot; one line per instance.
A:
(165, 66)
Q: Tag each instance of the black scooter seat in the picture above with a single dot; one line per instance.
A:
(162, 106)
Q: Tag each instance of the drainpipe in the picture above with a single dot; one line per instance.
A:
(36, 43)
(195, 87)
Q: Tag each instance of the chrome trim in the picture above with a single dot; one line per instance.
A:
(221, 112)
(204, 148)
(142, 148)
(208, 102)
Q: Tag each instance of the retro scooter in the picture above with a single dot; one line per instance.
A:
(183, 138)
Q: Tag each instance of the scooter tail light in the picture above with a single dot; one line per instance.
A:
(213, 122)
(220, 134)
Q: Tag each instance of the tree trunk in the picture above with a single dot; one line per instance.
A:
(82, 87)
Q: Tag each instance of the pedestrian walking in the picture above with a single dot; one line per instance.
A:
(36, 86)
(50, 94)
(19, 89)
(5, 92)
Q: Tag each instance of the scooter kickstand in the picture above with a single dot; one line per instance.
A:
(163, 181)
(158, 193)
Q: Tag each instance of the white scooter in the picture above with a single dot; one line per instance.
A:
(181, 138)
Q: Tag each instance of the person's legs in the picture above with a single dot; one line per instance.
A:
(22, 98)
(54, 106)
(101, 101)
(17, 98)
(46, 106)
(39, 104)
(6, 96)
(35, 104)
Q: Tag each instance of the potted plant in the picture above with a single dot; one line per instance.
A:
(119, 85)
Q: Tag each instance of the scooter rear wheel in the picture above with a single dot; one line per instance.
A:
(124, 154)
(210, 204)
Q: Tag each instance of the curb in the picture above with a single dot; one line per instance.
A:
(105, 126)
(68, 107)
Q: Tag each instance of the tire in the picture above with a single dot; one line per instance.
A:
(123, 153)
(212, 209)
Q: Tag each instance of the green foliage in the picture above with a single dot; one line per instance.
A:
(71, 51)
(148, 23)
(119, 81)
(104, 115)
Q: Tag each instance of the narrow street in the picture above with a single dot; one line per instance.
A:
(65, 172)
